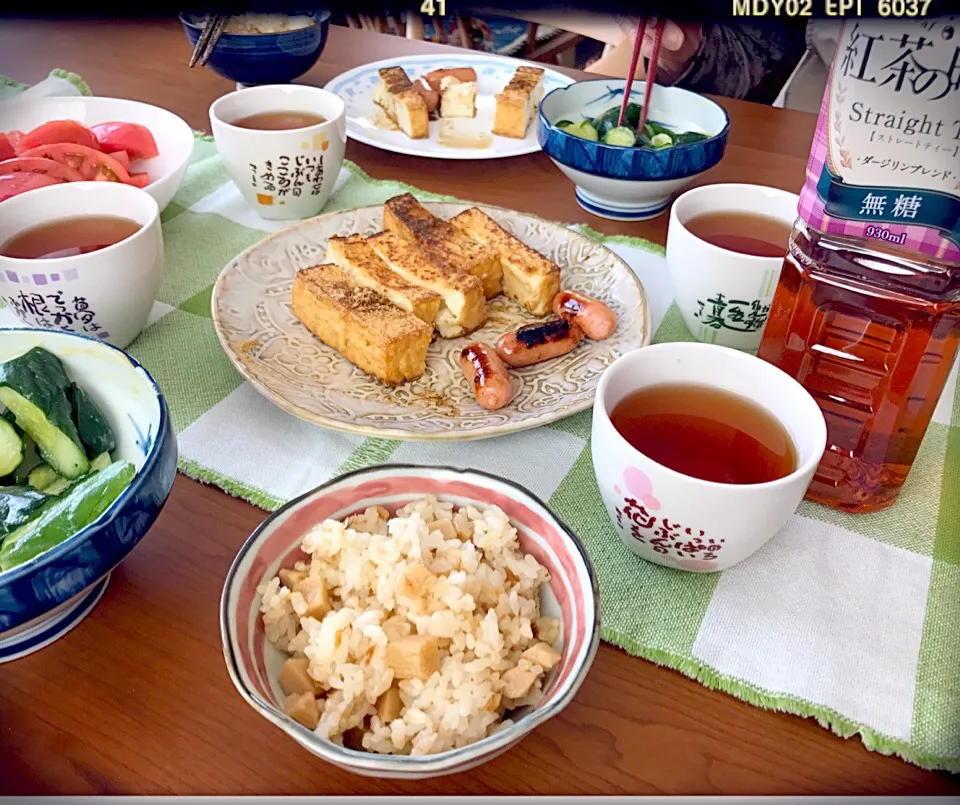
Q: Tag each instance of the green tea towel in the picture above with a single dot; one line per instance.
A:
(852, 620)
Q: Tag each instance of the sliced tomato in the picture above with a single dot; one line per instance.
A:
(59, 131)
(91, 164)
(133, 138)
(7, 151)
(140, 180)
(13, 184)
(50, 167)
(122, 157)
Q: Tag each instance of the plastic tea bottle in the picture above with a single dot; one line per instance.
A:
(867, 312)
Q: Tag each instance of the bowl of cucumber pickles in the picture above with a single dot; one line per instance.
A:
(87, 460)
(623, 171)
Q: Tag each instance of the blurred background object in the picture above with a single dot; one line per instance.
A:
(776, 61)
(486, 31)
(261, 48)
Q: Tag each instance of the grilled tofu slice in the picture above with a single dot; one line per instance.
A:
(354, 255)
(464, 308)
(458, 98)
(528, 277)
(362, 325)
(409, 219)
(402, 102)
(517, 104)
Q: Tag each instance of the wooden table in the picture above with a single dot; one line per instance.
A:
(137, 700)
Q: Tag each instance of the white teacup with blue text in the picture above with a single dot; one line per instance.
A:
(725, 296)
(287, 174)
(107, 293)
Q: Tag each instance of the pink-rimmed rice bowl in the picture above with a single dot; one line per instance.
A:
(571, 596)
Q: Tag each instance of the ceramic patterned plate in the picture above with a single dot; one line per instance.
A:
(366, 125)
(303, 376)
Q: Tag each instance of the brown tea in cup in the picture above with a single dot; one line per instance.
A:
(707, 433)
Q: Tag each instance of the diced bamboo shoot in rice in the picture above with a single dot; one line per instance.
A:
(413, 657)
(518, 682)
(316, 596)
(417, 582)
(302, 708)
(543, 655)
(291, 578)
(389, 705)
(294, 677)
(547, 630)
(446, 528)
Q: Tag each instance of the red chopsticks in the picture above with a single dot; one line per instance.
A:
(651, 74)
(633, 70)
(651, 77)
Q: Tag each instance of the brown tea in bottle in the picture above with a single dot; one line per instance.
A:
(867, 311)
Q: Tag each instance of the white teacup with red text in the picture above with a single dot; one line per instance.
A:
(684, 522)
(283, 175)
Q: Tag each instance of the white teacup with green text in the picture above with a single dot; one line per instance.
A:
(725, 296)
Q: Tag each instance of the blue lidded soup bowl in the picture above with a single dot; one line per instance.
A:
(275, 58)
(628, 183)
(45, 597)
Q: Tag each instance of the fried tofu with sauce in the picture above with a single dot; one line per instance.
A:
(528, 277)
(354, 255)
(458, 98)
(361, 324)
(402, 102)
(407, 218)
(464, 307)
(517, 104)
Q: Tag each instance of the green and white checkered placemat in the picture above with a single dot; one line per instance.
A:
(852, 620)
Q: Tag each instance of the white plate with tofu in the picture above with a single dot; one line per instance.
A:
(349, 321)
(382, 111)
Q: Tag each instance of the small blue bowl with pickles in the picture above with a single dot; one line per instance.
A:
(622, 172)
(264, 48)
(88, 457)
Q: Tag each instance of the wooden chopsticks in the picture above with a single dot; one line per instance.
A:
(212, 29)
(651, 73)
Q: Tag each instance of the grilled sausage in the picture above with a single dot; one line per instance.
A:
(485, 372)
(539, 342)
(430, 96)
(592, 316)
(462, 74)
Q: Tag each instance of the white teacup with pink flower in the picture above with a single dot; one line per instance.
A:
(684, 522)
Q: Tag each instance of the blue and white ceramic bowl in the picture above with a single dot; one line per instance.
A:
(630, 184)
(46, 597)
(264, 58)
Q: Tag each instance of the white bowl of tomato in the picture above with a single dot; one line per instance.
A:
(46, 141)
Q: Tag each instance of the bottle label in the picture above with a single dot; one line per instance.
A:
(885, 161)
